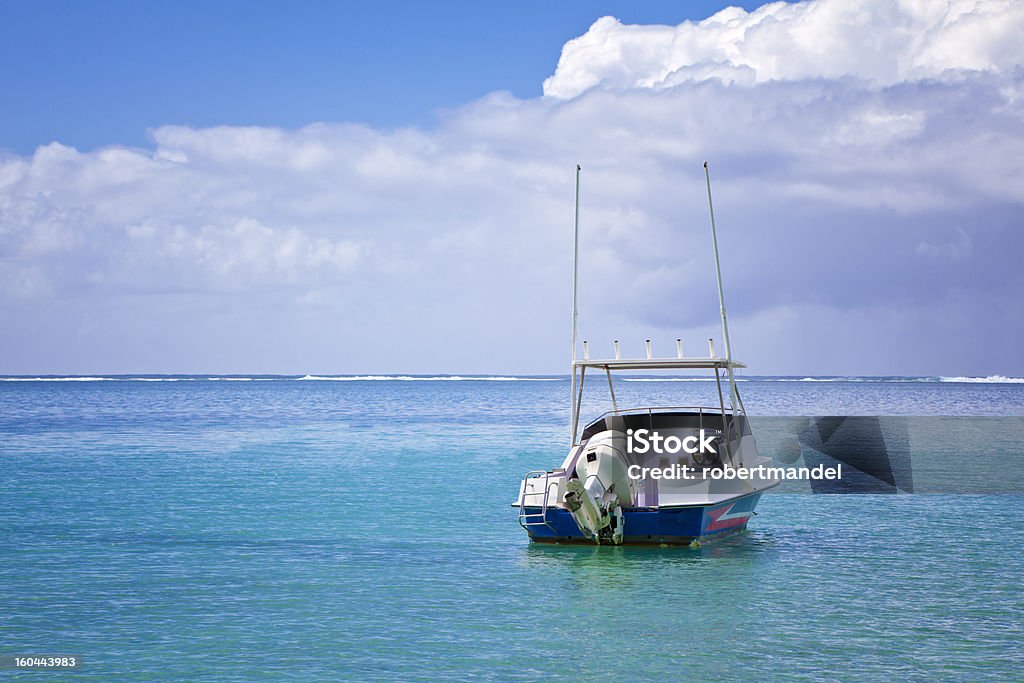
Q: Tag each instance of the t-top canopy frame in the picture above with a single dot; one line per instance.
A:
(579, 371)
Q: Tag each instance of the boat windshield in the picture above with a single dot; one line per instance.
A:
(668, 421)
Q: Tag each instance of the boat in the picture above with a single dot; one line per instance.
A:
(650, 475)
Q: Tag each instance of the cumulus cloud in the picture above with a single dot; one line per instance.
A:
(868, 188)
(879, 41)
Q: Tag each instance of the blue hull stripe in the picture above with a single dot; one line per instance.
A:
(664, 525)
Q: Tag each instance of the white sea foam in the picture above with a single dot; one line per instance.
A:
(57, 379)
(867, 380)
(100, 379)
(410, 378)
(816, 379)
(991, 379)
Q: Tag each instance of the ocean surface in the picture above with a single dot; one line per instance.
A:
(290, 528)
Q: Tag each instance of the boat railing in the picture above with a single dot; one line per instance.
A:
(528, 519)
(712, 410)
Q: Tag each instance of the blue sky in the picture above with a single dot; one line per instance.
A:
(89, 74)
(333, 188)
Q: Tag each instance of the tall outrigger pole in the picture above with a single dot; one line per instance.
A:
(575, 310)
(734, 399)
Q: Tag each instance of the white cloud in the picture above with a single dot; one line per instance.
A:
(847, 189)
(881, 41)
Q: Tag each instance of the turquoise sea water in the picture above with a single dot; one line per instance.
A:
(361, 530)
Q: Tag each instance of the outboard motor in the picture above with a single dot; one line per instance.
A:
(601, 487)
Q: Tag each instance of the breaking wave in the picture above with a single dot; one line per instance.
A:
(58, 379)
(991, 379)
(436, 378)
